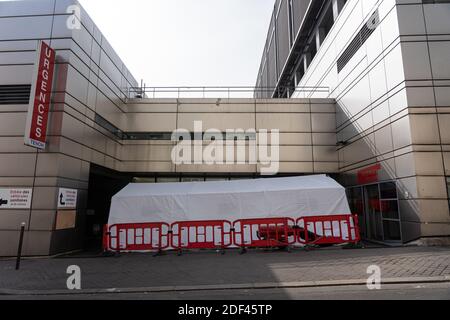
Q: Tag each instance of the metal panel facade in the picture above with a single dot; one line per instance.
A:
(383, 115)
(282, 29)
(299, 10)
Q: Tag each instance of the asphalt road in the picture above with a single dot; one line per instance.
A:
(435, 291)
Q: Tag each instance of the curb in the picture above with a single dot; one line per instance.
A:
(243, 286)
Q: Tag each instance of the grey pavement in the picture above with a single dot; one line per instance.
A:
(225, 271)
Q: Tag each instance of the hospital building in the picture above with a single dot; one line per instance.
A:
(359, 90)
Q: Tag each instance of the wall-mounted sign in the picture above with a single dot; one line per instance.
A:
(15, 198)
(369, 175)
(67, 198)
(38, 110)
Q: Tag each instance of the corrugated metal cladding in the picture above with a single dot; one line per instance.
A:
(299, 7)
(282, 31)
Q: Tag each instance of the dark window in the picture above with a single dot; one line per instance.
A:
(300, 72)
(147, 136)
(108, 126)
(291, 24)
(390, 209)
(388, 190)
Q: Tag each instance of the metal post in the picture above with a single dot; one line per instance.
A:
(19, 249)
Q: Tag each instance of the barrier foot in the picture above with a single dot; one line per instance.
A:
(358, 245)
(243, 251)
(158, 253)
(108, 254)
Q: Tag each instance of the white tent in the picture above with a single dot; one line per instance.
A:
(229, 200)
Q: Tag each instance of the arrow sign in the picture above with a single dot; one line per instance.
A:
(67, 198)
(61, 202)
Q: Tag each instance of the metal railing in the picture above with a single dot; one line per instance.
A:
(220, 92)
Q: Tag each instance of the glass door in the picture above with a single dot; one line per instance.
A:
(373, 215)
(356, 202)
(378, 211)
(390, 212)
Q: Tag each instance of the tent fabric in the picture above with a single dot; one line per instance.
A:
(293, 197)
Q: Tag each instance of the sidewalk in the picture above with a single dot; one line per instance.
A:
(202, 269)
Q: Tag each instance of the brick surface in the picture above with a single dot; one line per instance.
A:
(211, 268)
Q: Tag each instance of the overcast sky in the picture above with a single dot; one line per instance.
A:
(186, 42)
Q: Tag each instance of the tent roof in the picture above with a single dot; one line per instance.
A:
(227, 187)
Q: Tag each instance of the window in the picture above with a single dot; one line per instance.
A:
(291, 24)
(167, 179)
(299, 72)
(167, 136)
(144, 180)
(388, 190)
(108, 126)
(192, 179)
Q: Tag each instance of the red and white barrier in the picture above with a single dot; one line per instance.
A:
(328, 230)
(222, 234)
(215, 234)
(139, 237)
(264, 233)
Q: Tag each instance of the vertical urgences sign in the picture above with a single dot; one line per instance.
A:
(38, 112)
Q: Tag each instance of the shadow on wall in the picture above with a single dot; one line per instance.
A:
(361, 148)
